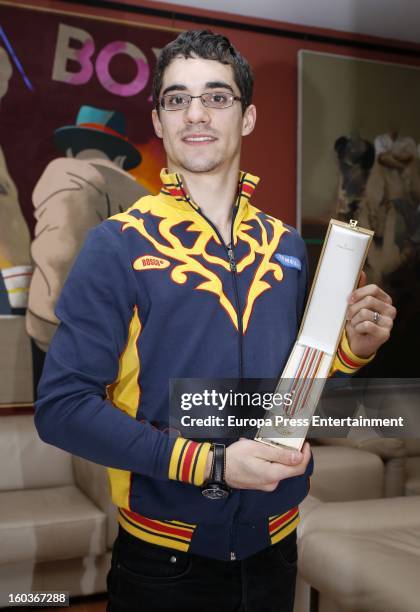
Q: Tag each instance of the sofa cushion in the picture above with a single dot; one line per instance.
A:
(365, 516)
(15, 361)
(412, 483)
(386, 448)
(395, 475)
(92, 479)
(375, 572)
(343, 474)
(413, 447)
(31, 464)
(365, 554)
(49, 524)
(81, 576)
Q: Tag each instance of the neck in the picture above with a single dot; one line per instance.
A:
(214, 192)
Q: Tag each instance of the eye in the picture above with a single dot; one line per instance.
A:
(220, 98)
(176, 100)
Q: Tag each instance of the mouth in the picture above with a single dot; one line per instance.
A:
(198, 139)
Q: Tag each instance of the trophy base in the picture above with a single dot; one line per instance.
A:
(291, 443)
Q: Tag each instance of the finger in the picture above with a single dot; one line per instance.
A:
(373, 304)
(368, 315)
(278, 454)
(306, 450)
(373, 290)
(277, 471)
(362, 279)
(307, 454)
(368, 327)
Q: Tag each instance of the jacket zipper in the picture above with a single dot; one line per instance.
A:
(232, 264)
(232, 537)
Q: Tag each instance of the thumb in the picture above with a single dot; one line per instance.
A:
(362, 279)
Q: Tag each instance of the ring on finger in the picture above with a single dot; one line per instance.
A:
(376, 317)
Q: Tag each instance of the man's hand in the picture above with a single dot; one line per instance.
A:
(254, 465)
(370, 318)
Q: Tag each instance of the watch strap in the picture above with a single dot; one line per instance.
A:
(216, 487)
(217, 473)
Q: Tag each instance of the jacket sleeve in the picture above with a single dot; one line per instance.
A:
(72, 411)
(345, 361)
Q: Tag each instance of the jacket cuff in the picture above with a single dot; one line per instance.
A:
(188, 461)
(345, 361)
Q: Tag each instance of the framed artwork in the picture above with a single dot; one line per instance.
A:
(76, 146)
(358, 137)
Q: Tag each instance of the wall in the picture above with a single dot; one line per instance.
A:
(271, 151)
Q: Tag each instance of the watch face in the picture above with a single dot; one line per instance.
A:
(215, 493)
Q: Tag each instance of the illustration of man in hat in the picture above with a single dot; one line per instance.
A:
(15, 267)
(75, 193)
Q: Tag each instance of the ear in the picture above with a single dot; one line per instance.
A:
(157, 124)
(248, 120)
(69, 152)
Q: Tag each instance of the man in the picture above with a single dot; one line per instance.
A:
(186, 285)
(73, 195)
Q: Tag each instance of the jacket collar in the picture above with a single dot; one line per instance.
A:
(173, 187)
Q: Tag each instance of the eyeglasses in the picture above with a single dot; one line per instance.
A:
(214, 99)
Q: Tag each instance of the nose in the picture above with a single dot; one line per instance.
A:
(196, 112)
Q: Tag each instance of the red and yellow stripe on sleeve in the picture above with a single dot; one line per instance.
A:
(188, 461)
(345, 360)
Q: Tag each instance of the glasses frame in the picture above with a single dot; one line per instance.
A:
(191, 98)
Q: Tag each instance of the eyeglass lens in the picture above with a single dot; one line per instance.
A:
(217, 99)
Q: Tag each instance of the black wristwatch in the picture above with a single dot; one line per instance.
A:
(216, 487)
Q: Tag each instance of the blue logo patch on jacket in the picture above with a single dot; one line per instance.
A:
(289, 261)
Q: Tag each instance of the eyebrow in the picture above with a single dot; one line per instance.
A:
(175, 87)
(208, 85)
(218, 85)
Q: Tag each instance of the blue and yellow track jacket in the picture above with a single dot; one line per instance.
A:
(155, 294)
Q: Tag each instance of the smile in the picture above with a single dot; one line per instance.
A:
(198, 139)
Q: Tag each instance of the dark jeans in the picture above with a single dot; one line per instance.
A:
(148, 578)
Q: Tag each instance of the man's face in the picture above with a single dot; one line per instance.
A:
(198, 138)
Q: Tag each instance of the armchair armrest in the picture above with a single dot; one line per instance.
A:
(385, 448)
(92, 479)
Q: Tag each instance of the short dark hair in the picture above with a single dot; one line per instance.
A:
(207, 45)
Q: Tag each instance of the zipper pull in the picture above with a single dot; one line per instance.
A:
(231, 260)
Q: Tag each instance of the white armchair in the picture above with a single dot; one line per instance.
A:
(57, 522)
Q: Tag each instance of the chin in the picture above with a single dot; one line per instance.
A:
(201, 165)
